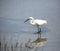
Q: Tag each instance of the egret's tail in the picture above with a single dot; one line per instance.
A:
(45, 22)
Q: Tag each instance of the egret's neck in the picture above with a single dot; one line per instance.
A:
(32, 22)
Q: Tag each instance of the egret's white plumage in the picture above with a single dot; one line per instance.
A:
(36, 22)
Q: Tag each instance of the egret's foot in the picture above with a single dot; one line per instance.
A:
(37, 32)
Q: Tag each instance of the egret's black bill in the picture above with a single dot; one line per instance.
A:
(26, 20)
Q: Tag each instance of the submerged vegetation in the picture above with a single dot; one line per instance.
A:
(18, 46)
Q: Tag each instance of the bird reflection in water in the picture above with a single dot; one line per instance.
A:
(39, 41)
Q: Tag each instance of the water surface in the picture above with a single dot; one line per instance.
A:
(14, 12)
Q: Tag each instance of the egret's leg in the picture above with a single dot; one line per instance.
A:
(38, 28)
(40, 33)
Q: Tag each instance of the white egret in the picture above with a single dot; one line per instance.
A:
(37, 22)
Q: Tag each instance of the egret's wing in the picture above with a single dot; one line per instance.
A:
(39, 22)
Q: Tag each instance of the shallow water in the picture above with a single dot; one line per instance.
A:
(14, 12)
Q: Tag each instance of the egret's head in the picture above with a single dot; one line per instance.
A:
(30, 18)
